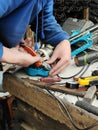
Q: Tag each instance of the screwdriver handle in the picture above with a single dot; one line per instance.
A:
(32, 52)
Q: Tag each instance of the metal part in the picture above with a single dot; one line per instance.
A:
(39, 68)
(46, 65)
(89, 96)
(87, 100)
(85, 37)
(33, 53)
(46, 51)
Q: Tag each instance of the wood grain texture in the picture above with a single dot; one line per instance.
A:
(42, 101)
(36, 119)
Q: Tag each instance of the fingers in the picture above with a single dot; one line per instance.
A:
(51, 60)
(57, 64)
(27, 60)
(29, 41)
(58, 68)
(36, 59)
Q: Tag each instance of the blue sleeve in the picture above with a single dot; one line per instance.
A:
(3, 9)
(53, 31)
(1, 50)
(6, 6)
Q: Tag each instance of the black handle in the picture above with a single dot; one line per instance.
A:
(90, 108)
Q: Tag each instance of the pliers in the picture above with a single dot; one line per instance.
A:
(33, 53)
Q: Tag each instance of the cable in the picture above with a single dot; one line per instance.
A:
(87, 66)
(96, 60)
(74, 74)
(65, 109)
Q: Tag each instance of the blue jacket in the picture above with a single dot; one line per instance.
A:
(16, 15)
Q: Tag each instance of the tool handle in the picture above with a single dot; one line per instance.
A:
(50, 79)
(86, 31)
(32, 52)
(85, 58)
(90, 80)
(90, 108)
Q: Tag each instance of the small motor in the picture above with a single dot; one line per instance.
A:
(46, 51)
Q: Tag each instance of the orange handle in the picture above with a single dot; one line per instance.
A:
(32, 52)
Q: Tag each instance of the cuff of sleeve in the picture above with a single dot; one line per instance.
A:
(58, 38)
(1, 50)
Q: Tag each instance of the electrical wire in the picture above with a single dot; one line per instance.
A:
(74, 74)
(63, 106)
(85, 68)
(96, 60)
(64, 109)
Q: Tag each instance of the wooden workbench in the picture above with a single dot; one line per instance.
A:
(41, 100)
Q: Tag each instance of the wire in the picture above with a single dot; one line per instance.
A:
(87, 66)
(96, 60)
(64, 109)
(74, 74)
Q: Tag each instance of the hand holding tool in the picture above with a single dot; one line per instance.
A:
(30, 51)
(33, 53)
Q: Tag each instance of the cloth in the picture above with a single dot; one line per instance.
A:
(16, 15)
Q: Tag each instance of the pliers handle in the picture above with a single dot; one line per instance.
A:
(30, 51)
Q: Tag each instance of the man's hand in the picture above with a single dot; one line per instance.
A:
(61, 57)
(18, 57)
(28, 42)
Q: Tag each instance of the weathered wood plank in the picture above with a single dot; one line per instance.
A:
(36, 119)
(45, 103)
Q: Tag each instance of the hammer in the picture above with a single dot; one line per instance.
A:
(86, 103)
